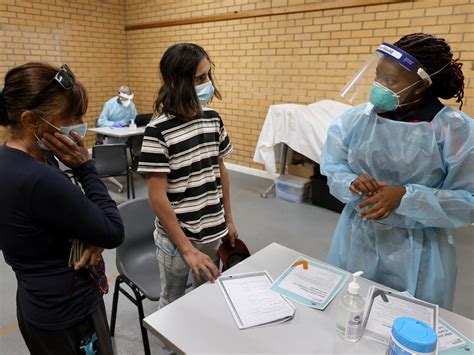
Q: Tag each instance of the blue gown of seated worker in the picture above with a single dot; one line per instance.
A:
(114, 111)
(413, 249)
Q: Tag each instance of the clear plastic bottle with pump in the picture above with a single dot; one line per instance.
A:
(351, 312)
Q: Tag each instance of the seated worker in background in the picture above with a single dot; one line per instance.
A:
(59, 306)
(119, 111)
(404, 165)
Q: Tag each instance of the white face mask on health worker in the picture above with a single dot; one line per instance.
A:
(126, 99)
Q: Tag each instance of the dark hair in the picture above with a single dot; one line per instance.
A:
(177, 95)
(434, 54)
(22, 85)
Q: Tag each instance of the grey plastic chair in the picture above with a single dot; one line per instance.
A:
(136, 261)
(99, 138)
(112, 160)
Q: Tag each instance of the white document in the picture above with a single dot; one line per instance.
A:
(313, 283)
(451, 341)
(251, 301)
(380, 315)
(447, 338)
(310, 283)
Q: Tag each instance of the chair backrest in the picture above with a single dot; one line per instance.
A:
(110, 159)
(143, 119)
(138, 245)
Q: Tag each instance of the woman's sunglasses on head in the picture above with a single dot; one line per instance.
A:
(63, 77)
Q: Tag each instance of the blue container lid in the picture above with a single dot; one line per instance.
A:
(414, 334)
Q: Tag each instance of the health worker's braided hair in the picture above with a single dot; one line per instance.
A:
(433, 54)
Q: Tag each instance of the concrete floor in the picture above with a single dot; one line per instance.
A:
(303, 227)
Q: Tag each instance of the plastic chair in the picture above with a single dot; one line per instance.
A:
(112, 160)
(143, 119)
(99, 138)
(136, 261)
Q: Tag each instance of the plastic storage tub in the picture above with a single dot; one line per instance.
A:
(291, 188)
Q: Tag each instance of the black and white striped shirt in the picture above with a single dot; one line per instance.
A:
(189, 152)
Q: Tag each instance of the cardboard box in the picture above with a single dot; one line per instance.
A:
(302, 170)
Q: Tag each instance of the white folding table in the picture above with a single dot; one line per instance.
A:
(201, 322)
(120, 132)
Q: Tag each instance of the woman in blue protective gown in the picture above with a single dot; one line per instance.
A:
(404, 165)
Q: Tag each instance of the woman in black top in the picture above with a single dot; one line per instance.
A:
(59, 307)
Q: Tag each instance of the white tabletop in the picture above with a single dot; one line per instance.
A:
(119, 132)
(201, 322)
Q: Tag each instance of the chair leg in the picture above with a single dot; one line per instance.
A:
(141, 316)
(116, 183)
(128, 186)
(137, 301)
(118, 281)
(146, 344)
(132, 185)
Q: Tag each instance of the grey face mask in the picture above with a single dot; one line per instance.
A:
(80, 129)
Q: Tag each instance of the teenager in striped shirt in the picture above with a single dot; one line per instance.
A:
(188, 185)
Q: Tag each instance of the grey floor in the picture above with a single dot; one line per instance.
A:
(303, 227)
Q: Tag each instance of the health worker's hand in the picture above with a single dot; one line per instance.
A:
(70, 153)
(118, 124)
(383, 203)
(366, 185)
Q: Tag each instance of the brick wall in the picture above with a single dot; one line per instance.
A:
(86, 34)
(298, 58)
(164, 10)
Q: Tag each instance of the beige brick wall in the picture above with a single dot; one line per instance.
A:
(87, 34)
(298, 58)
(163, 10)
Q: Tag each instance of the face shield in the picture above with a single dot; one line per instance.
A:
(375, 81)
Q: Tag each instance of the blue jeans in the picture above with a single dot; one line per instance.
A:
(174, 271)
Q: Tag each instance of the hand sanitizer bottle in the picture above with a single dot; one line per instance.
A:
(133, 125)
(351, 311)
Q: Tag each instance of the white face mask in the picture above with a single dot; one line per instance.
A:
(126, 103)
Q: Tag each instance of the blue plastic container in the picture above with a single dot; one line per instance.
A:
(411, 336)
(291, 188)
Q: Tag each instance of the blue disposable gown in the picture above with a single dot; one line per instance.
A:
(114, 111)
(413, 249)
